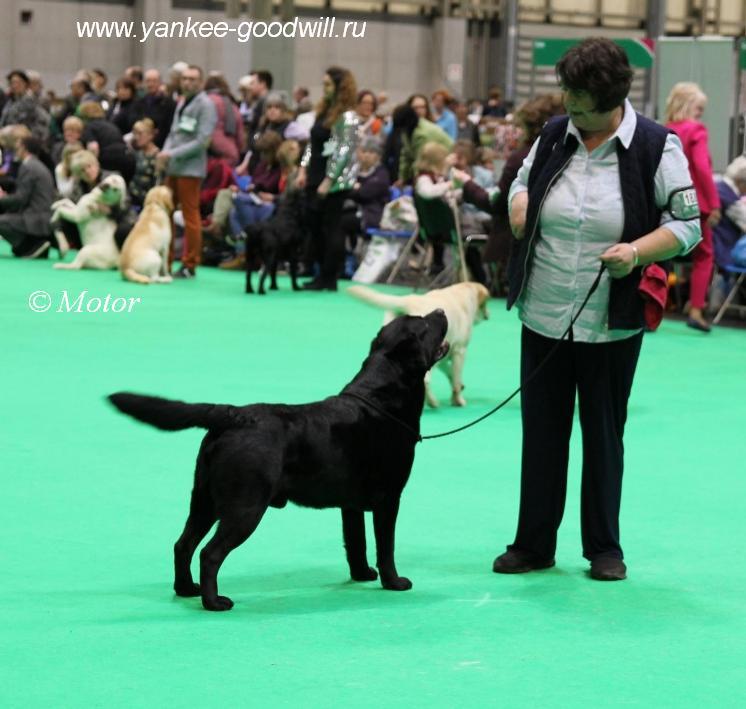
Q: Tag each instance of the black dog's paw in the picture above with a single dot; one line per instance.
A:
(400, 583)
(368, 574)
(220, 603)
(187, 590)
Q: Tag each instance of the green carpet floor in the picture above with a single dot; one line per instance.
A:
(93, 502)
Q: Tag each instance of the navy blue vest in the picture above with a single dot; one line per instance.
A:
(637, 167)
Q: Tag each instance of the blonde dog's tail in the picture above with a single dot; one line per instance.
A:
(129, 274)
(380, 300)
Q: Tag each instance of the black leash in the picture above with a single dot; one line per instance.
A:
(541, 364)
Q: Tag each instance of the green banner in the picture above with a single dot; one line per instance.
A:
(547, 52)
(742, 55)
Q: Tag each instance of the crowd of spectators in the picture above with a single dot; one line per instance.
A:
(231, 158)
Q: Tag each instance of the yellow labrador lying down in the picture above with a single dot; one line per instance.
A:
(464, 304)
(144, 256)
(96, 228)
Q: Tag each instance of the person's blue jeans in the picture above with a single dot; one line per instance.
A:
(245, 212)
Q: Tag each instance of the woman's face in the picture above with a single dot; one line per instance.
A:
(366, 106)
(142, 137)
(274, 113)
(580, 106)
(328, 86)
(17, 86)
(71, 134)
(419, 104)
(124, 93)
(90, 172)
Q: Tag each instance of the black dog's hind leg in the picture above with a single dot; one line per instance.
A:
(353, 529)
(273, 272)
(201, 518)
(234, 528)
(384, 523)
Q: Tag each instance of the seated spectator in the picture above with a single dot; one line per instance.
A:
(122, 111)
(105, 141)
(494, 106)
(370, 192)
(431, 184)
(369, 123)
(99, 79)
(23, 108)
(86, 170)
(288, 156)
(80, 92)
(72, 134)
(146, 173)
(25, 214)
(442, 115)
(466, 129)
(156, 105)
(276, 115)
(732, 225)
(63, 176)
(473, 219)
(228, 136)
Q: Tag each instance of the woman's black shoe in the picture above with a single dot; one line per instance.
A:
(515, 562)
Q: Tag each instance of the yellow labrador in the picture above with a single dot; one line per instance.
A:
(144, 256)
(464, 305)
(96, 228)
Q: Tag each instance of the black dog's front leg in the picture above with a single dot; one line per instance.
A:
(353, 529)
(384, 523)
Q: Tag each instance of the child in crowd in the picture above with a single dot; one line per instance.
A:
(432, 184)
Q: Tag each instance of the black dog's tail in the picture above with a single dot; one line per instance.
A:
(170, 415)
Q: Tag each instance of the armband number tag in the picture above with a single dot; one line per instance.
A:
(683, 204)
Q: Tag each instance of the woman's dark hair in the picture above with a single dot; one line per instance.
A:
(125, 83)
(345, 93)
(601, 68)
(428, 114)
(405, 119)
(22, 75)
(32, 145)
(365, 92)
(217, 82)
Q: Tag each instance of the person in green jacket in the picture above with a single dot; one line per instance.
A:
(415, 132)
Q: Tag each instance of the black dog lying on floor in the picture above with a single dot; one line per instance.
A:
(277, 239)
(353, 451)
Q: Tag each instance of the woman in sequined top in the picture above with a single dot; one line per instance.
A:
(327, 174)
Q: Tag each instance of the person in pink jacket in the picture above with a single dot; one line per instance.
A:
(228, 137)
(684, 108)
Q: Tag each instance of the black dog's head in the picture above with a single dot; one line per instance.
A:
(412, 342)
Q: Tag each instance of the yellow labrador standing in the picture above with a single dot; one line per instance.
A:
(464, 304)
(99, 250)
(144, 256)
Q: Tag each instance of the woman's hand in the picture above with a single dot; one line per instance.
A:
(518, 210)
(619, 260)
(300, 178)
(714, 218)
(324, 187)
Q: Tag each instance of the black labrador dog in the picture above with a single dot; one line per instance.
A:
(277, 239)
(353, 451)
